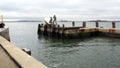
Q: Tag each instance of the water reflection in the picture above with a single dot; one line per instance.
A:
(55, 42)
(81, 53)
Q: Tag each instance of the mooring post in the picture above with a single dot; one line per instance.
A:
(39, 26)
(57, 33)
(63, 25)
(84, 24)
(97, 24)
(58, 26)
(62, 34)
(45, 32)
(113, 25)
(73, 23)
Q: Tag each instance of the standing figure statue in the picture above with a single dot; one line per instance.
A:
(51, 20)
(54, 20)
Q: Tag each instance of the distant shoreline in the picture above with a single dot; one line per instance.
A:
(57, 21)
(60, 21)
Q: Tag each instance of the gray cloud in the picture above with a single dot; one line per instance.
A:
(76, 9)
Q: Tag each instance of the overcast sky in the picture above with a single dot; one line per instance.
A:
(64, 9)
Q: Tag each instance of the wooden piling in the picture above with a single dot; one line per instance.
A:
(57, 31)
(58, 26)
(63, 25)
(73, 23)
(45, 32)
(84, 24)
(113, 25)
(38, 28)
(97, 24)
(62, 34)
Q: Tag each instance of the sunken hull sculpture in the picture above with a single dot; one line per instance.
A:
(4, 32)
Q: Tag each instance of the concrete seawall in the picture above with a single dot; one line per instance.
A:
(18, 56)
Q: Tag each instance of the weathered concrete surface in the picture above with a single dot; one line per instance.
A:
(23, 59)
(6, 61)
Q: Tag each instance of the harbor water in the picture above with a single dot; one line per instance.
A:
(91, 52)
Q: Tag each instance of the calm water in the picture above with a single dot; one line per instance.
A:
(97, 52)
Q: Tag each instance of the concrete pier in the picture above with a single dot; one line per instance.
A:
(6, 61)
(78, 32)
(16, 57)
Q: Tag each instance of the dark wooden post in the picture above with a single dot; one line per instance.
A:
(62, 31)
(84, 24)
(73, 23)
(63, 25)
(39, 26)
(113, 24)
(58, 26)
(58, 29)
(58, 32)
(97, 24)
(45, 32)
